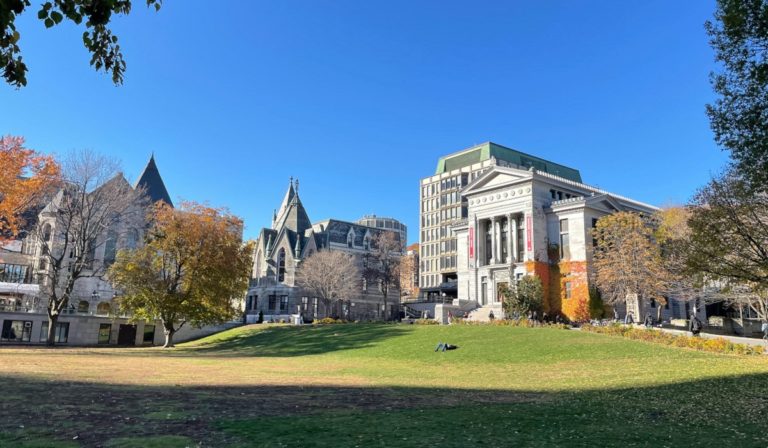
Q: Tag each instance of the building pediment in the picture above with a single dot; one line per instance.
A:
(497, 177)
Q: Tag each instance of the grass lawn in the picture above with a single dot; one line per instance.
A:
(383, 385)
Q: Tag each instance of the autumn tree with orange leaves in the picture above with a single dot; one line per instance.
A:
(26, 177)
(193, 269)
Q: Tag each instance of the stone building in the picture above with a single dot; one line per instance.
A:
(409, 273)
(89, 318)
(441, 205)
(280, 251)
(527, 221)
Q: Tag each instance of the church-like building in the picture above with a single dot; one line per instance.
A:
(280, 250)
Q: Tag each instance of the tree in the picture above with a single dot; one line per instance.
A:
(627, 260)
(95, 199)
(26, 177)
(192, 269)
(330, 276)
(382, 264)
(739, 36)
(97, 38)
(526, 296)
(729, 238)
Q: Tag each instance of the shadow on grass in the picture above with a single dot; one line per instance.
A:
(711, 412)
(287, 341)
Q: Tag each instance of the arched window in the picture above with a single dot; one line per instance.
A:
(103, 308)
(110, 248)
(281, 266)
(132, 239)
(47, 233)
(83, 306)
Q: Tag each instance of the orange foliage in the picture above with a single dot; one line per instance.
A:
(25, 178)
(553, 279)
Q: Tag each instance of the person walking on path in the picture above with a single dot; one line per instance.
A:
(765, 330)
(695, 325)
(648, 320)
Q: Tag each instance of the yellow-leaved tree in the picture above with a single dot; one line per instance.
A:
(628, 261)
(192, 269)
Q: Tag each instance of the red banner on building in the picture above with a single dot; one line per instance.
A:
(471, 243)
(528, 233)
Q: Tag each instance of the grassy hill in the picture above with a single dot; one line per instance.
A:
(384, 385)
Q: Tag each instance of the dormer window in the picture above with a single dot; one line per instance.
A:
(350, 239)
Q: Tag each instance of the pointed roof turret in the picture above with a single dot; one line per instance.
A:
(153, 184)
(287, 200)
(297, 249)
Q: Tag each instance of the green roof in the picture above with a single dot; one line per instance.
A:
(485, 151)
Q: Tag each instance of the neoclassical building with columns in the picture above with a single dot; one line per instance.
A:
(528, 222)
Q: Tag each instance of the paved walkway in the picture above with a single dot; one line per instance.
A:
(734, 339)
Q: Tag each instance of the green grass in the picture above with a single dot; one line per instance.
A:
(384, 385)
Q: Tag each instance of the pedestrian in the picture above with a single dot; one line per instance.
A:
(544, 316)
(491, 316)
(629, 319)
(615, 315)
(648, 320)
(450, 317)
(765, 330)
(695, 325)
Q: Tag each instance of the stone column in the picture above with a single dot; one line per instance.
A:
(511, 238)
(496, 243)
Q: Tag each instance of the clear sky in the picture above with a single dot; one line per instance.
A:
(358, 99)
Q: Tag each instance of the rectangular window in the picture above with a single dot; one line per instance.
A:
(520, 240)
(16, 331)
(568, 290)
(61, 335)
(565, 247)
(594, 226)
(484, 290)
(272, 302)
(283, 303)
(104, 331)
(149, 334)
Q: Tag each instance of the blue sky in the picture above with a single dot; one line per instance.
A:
(359, 99)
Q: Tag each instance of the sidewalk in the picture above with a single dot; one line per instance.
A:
(734, 339)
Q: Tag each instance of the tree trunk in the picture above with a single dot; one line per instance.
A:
(169, 332)
(53, 318)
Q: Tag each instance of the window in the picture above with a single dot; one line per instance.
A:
(314, 306)
(504, 240)
(488, 242)
(13, 273)
(568, 290)
(254, 301)
(110, 248)
(565, 247)
(367, 243)
(304, 303)
(132, 239)
(283, 303)
(16, 331)
(653, 303)
(47, 233)
(350, 240)
(594, 226)
(83, 306)
(149, 334)
(281, 266)
(272, 302)
(103, 308)
(520, 240)
(61, 334)
(104, 331)
(484, 290)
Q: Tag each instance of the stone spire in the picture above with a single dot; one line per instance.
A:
(152, 183)
(269, 245)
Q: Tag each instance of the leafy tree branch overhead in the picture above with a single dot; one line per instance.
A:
(98, 39)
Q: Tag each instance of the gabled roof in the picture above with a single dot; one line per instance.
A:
(153, 184)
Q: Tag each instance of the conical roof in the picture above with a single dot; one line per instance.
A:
(292, 214)
(153, 184)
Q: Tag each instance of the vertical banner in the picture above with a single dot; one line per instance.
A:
(528, 233)
(471, 243)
